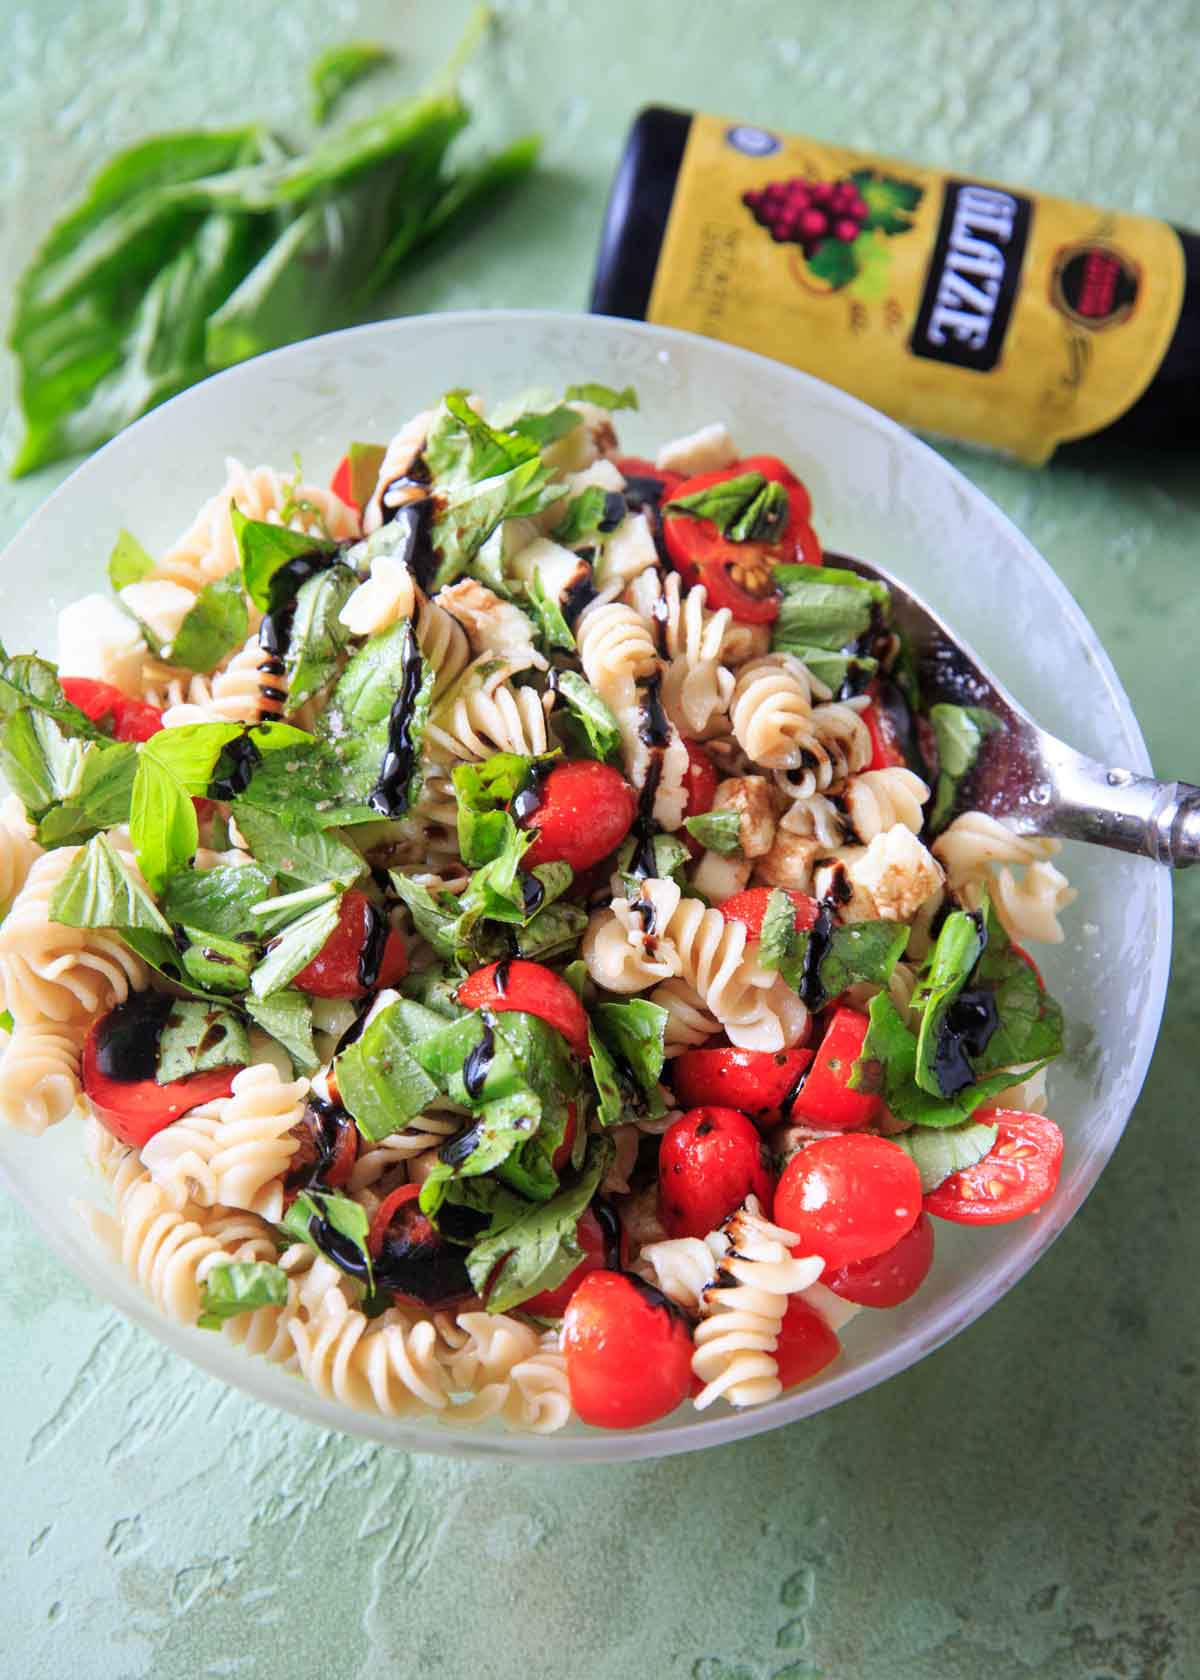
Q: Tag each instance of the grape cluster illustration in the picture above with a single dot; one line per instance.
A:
(806, 213)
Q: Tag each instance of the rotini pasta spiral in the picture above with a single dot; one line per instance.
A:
(616, 650)
(696, 685)
(376, 1160)
(389, 594)
(771, 711)
(976, 850)
(483, 713)
(251, 688)
(19, 851)
(39, 1074)
(877, 800)
(399, 457)
(53, 973)
(534, 1396)
(388, 1365)
(689, 1023)
(235, 1151)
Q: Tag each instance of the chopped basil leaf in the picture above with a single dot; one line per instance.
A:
(41, 764)
(960, 732)
(671, 858)
(380, 1081)
(128, 563)
(216, 900)
(548, 426)
(318, 637)
(27, 681)
(719, 831)
(287, 1016)
(777, 936)
(555, 631)
(101, 801)
(197, 1038)
(161, 954)
(338, 68)
(218, 622)
(98, 891)
(296, 946)
(541, 1248)
(593, 513)
(856, 952)
(217, 964)
(610, 1107)
(595, 730)
(358, 723)
(1029, 1022)
(635, 1034)
(485, 1144)
(435, 919)
(557, 928)
(266, 548)
(308, 859)
(336, 1227)
(240, 1287)
(765, 519)
(946, 972)
(463, 449)
(602, 396)
(472, 511)
(833, 669)
(433, 991)
(6, 1021)
(938, 1152)
(725, 503)
(483, 793)
(576, 976)
(824, 607)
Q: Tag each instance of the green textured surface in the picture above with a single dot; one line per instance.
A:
(1026, 1502)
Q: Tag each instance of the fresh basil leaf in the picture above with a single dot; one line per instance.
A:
(555, 632)
(602, 396)
(939, 1152)
(947, 970)
(463, 449)
(239, 1287)
(217, 964)
(719, 831)
(379, 1080)
(367, 687)
(671, 858)
(376, 695)
(434, 991)
(887, 1068)
(765, 520)
(101, 801)
(287, 1016)
(128, 562)
(41, 765)
(265, 549)
(161, 954)
(595, 730)
(27, 681)
(435, 919)
(960, 732)
(318, 637)
(1029, 1022)
(824, 607)
(499, 1205)
(296, 946)
(324, 785)
(308, 859)
(777, 936)
(216, 900)
(635, 1033)
(540, 1249)
(6, 1021)
(593, 514)
(557, 928)
(336, 71)
(724, 503)
(336, 1227)
(483, 793)
(861, 951)
(484, 1145)
(576, 976)
(217, 623)
(833, 669)
(98, 891)
(198, 1037)
(472, 511)
(603, 1069)
(548, 426)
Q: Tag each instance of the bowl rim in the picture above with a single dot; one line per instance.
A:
(424, 1434)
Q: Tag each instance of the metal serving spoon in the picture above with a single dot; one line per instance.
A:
(1030, 778)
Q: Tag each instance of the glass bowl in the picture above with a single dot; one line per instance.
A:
(877, 492)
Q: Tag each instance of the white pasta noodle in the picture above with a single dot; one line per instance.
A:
(391, 593)
(534, 1395)
(743, 1308)
(233, 1151)
(388, 1365)
(484, 1349)
(772, 710)
(876, 800)
(492, 626)
(483, 713)
(836, 745)
(19, 851)
(53, 973)
(977, 851)
(249, 689)
(666, 763)
(696, 685)
(376, 1160)
(398, 459)
(39, 1074)
(616, 650)
(689, 1023)
(681, 1267)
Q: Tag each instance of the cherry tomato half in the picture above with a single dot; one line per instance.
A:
(754, 1081)
(1017, 1175)
(825, 1097)
(552, 1303)
(327, 1148)
(351, 963)
(628, 1351)
(132, 720)
(806, 1344)
(636, 466)
(886, 1280)
(135, 1110)
(750, 907)
(711, 1159)
(533, 989)
(848, 1198)
(700, 783)
(342, 483)
(412, 1260)
(584, 811)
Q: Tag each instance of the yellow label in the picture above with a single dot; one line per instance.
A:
(958, 306)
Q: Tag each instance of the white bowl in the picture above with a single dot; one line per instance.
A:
(876, 492)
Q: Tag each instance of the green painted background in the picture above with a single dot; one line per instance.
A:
(1024, 1503)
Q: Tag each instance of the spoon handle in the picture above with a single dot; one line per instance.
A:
(1159, 820)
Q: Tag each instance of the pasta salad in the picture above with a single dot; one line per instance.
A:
(517, 946)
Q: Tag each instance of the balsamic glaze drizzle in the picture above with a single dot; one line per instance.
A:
(964, 1032)
(479, 1061)
(275, 632)
(820, 938)
(370, 958)
(242, 758)
(579, 593)
(390, 795)
(528, 797)
(128, 1040)
(533, 894)
(500, 978)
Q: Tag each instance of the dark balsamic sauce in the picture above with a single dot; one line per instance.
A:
(654, 726)
(320, 1131)
(610, 1225)
(463, 1144)
(533, 894)
(345, 1254)
(128, 1038)
(407, 504)
(660, 612)
(500, 978)
(643, 492)
(965, 1031)
(275, 632)
(389, 797)
(527, 800)
(478, 1063)
(240, 759)
(370, 958)
(644, 910)
(579, 593)
(788, 1101)
(654, 1297)
(613, 513)
(820, 938)
(356, 1028)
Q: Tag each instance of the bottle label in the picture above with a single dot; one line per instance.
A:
(958, 306)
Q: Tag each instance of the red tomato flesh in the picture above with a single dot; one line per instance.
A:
(132, 720)
(848, 1198)
(534, 990)
(885, 746)
(888, 1279)
(1017, 1176)
(636, 466)
(337, 970)
(585, 810)
(754, 1081)
(750, 907)
(552, 1303)
(806, 1344)
(628, 1352)
(700, 783)
(135, 1110)
(825, 1097)
(342, 483)
(711, 1159)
